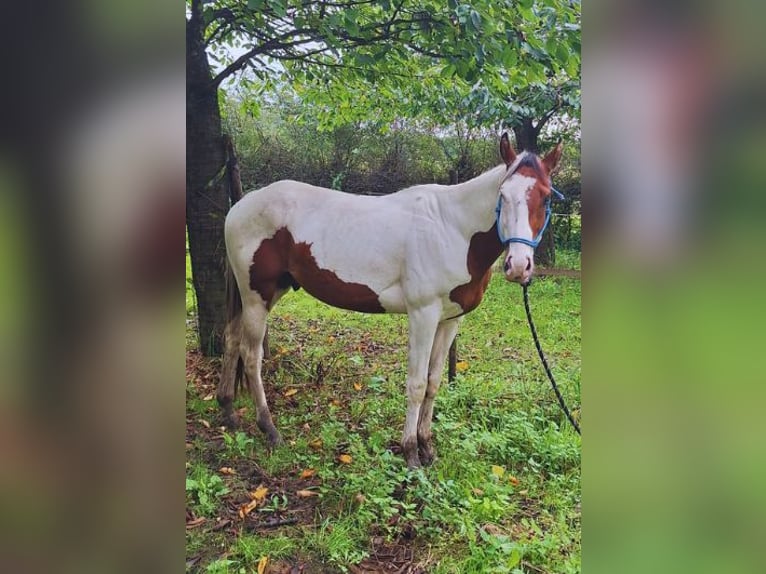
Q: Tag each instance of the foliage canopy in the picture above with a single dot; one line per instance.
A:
(356, 59)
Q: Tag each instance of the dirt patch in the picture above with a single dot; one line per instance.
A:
(388, 558)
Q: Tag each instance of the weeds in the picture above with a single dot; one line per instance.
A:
(503, 495)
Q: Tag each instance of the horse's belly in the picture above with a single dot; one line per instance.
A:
(329, 288)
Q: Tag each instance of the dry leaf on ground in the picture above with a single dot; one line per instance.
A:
(259, 494)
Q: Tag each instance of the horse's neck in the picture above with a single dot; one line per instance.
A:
(471, 205)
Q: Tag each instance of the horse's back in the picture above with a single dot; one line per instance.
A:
(344, 249)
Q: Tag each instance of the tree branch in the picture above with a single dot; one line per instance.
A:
(547, 116)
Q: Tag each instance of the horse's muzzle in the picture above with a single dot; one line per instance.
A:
(518, 269)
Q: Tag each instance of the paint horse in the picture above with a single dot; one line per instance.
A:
(426, 251)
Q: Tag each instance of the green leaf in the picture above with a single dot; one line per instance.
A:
(350, 20)
(279, 7)
(448, 71)
(364, 59)
(514, 558)
(562, 54)
(476, 19)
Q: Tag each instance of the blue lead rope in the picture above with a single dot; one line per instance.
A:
(536, 241)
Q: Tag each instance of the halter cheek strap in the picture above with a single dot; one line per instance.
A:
(536, 241)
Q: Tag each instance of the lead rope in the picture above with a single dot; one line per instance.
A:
(545, 363)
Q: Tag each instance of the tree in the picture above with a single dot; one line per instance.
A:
(396, 44)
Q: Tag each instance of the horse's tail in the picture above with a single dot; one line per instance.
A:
(233, 323)
(233, 297)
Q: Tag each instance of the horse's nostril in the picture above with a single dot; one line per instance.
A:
(507, 265)
(529, 264)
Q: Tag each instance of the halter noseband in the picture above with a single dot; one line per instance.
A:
(536, 241)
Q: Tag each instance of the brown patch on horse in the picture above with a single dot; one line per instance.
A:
(280, 262)
(537, 195)
(483, 251)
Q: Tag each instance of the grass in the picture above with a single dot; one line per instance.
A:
(503, 496)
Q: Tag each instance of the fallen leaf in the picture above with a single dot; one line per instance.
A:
(262, 564)
(196, 522)
(345, 458)
(477, 491)
(307, 493)
(205, 423)
(360, 498)
(461, 366)
(246, 509)
(330, 339)
(316, 444)
(227, 470)
(291, 392)
(209, 397)
(259, 494)
(523, 492)
(308, 473)
(358, 386)
(335, 403)
(513, 480)
(498, 471)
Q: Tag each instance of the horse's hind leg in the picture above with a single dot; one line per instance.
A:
(254, 317)
(445, 334)
(226, 385)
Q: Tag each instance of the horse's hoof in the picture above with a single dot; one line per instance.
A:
(413, 462)
(275, 440)
(427, 454)
(231, 422)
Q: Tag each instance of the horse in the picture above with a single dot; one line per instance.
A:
(426, 251)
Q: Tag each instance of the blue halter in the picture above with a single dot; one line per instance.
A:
(536, 241)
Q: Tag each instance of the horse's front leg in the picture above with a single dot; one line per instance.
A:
(445, 334)
(423, 324)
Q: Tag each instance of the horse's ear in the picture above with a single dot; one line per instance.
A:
(551, 160)
(506, 150)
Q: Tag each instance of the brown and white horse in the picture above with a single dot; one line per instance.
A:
(426, 251)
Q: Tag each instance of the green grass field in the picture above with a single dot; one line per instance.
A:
(503, 495)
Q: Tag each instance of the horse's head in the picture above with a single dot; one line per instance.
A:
(523, 207)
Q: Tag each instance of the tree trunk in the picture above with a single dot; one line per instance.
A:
(526, 136)
(207, 199)
(545, 254)
(526, 139)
